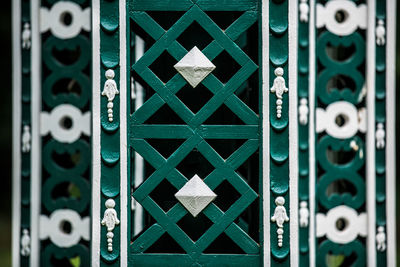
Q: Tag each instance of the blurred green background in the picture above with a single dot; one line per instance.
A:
(6, 137)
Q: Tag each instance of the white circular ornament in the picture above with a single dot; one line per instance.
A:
(53, 227)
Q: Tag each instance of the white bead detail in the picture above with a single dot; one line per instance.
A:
(110, 220)
(54, 123)
(280, 217)
(303, 111)
(26, 36)
(195, 195)
(380, 32)
(53, 227)
(352, 224)
(381, 239)
(380, 136)
(110, 90)
(304, 213)
(25, 243)
(26, 139)
(304, 11)
(194, 67)
(279, 88)
(54, 19)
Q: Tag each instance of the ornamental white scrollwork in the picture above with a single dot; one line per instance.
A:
(65, 123)
(110, 90)
(26, 36)
(380, 33)
(25, 243)
(380, 136)
(304, 10)
(64, 227)
(26, 139)
(65, 19)
(279, 88)
(304, 214)
(280, 217)
(381, 239)
(341, 17)
(110, 220)
(341, 120)
(303, 111)
(341, 224)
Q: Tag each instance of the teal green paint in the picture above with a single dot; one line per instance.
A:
(110, 132)
(66, 167)
(279, 130)
(328, 248)
(25, 102)
(53, 255)
(380, 117)
(340, 169)
(303, 63)
(195, 134)
(62, 71)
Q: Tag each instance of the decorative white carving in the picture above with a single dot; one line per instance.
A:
(195, 195)
(25, 243)
(341, 17)
(110, 90)
(280, 217)
(110, 220)
(341, 224)
(26, 36)
(380, 136)
(194, 67)
(64, 227)
(26, 139)
(303, 111)
(304, 213)
(381, 239)
(65, 19)
(341, 120)
(304, 10)
(66, 123)
(354, 146)
(279, 88)
(380, 33)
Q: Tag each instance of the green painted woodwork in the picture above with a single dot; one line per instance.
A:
(168, 115)
(110, 134)
(380, 117)
(55, 256)
(279, 130)
(303, 135)
(66, 79)
(328, 249)
(340, 170)
(25, 102)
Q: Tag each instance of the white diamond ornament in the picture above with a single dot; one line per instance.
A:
(195, 195)
(194, 67)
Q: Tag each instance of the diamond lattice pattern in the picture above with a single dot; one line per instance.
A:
(194, 132)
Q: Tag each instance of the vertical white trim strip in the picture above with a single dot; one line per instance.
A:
(293, 134)
(124, 190)
(96, 162)
(390, 131)
(311, 132)
(370, 138)
(265, 130)
(16, 142)
(139, 161)
(36, 142)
